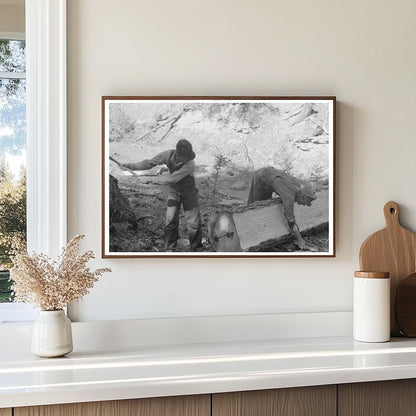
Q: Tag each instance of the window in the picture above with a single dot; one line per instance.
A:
(12, 165)
(46, 134)
(12, 154)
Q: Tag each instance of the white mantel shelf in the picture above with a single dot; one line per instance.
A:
(151, 371)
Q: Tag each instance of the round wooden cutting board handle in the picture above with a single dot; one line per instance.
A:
(391, 214)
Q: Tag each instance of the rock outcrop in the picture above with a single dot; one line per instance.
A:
(121, 211)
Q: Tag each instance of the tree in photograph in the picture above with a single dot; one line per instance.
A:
(220, 163)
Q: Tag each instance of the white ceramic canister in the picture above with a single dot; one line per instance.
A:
(371, 322)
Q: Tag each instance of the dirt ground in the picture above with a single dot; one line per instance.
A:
(217, 193)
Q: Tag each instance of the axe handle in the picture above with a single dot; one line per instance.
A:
(129, 170)
(123, 167)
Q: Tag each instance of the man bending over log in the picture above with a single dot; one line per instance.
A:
(268, 180)
(182, 191)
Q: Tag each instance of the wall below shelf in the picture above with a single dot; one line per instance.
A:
(187, 330)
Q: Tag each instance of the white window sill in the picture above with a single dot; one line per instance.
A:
(16, 313)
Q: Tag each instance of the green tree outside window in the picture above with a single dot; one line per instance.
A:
(12, 151)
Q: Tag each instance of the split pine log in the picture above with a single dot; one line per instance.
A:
(263, 224)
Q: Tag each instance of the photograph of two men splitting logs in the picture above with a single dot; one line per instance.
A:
(219, 176)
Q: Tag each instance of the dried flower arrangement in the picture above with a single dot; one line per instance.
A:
(53, 285)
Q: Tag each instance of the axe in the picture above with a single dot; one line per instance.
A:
(128, 170)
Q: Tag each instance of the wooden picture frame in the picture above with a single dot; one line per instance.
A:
(218, 176)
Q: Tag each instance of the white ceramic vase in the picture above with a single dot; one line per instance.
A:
(52, 334)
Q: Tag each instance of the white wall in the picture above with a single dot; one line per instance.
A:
(12, 17)
(361, 51)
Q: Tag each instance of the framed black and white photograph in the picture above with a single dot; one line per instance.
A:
(218, 176)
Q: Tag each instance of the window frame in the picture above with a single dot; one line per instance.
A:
(46, 125)
(46, 122)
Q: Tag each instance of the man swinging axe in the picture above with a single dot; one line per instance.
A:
(182, 191)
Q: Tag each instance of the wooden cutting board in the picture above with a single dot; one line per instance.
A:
(393, 250)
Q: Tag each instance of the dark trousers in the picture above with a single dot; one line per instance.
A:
(259, 190)
(193, 222)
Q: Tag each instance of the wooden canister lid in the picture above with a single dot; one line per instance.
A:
(372, 275)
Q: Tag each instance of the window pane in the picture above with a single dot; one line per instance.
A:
(12, 56)
(12, 175)
(12, 118)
